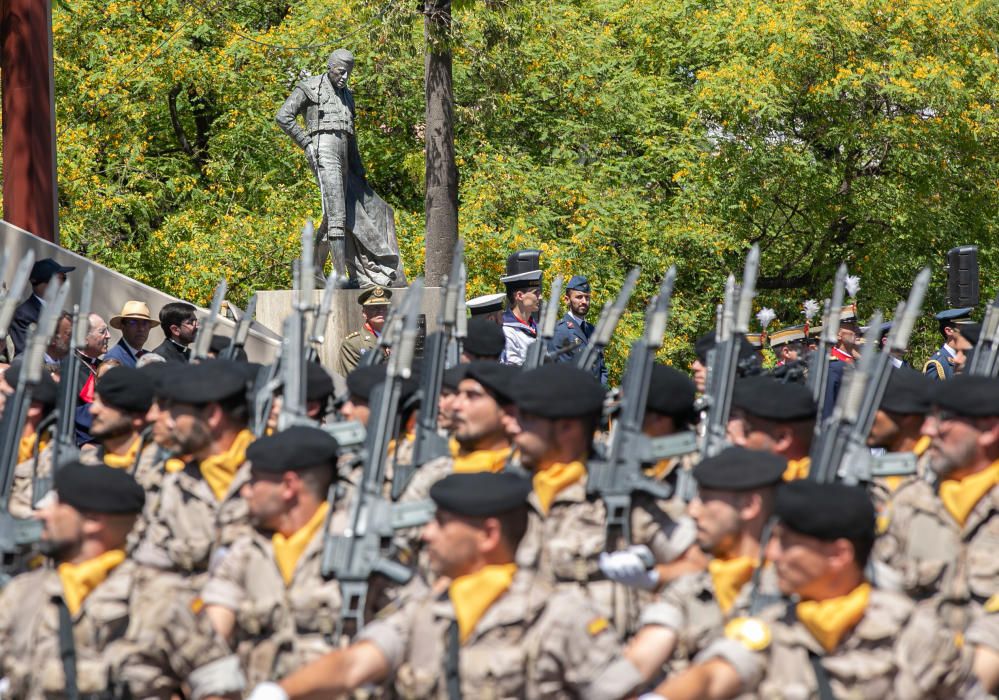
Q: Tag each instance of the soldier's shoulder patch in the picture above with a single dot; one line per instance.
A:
(597, 625)
(568, 324)
(992, 604)
(352, 335)
(751, 632)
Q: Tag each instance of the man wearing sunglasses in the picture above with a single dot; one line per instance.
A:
(134, 323)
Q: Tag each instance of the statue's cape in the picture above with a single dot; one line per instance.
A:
(373, 245)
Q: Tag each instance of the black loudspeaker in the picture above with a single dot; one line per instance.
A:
(962, 276)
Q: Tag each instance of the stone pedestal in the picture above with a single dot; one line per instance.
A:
(345, 315)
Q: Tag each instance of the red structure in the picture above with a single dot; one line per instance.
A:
(29, 159)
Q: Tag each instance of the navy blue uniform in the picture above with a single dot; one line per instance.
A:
(570, 331)
(939, 365)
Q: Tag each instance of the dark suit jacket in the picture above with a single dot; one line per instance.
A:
(171, 351)
(25, 314)
(122, 353)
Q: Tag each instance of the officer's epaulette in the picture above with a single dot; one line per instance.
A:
(353, 335)
(309, 90)
(937, 366)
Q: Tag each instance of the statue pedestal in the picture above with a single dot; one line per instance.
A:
(274, 305)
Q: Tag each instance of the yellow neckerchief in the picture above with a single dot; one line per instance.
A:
(126, 460)
(472, 595)
(406, 439)
(481, 461)
(552, 479)
(960, 496)
(728, 577)
(173, 465)
(797, 469)
(660, 469)
(79, 580)
(26, 447)
(288, 550)
(453, 447)
(219, 470)
(893, 482)
(830, 620)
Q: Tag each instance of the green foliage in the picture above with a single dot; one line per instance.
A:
(608, 133)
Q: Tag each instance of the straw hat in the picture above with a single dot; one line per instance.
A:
(132, 309)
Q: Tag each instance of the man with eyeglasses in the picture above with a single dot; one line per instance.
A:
(943, 531)
(179, 321)
(134, 323)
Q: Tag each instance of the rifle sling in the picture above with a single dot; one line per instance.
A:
(67, 649)
(452, 673)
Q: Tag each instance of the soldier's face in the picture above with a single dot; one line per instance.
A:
(189, 428)
(339, 74)
(135, 331)
(535, 439)
(445, 410)
(162, 424)
(59, 347)
(96, 342)
(802, 563)
(700, 375)
(579, 302)
(108, 421)
(477, 416)
(954, 441)
(263, 495)
(374, 316)
(62, 529)
(716, 514)
(356, 408)
(452, 544)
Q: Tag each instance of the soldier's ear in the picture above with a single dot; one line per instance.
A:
(989, 438)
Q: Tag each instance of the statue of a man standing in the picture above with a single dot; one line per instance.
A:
(358, 227)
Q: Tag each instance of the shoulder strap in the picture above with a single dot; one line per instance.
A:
(821, 677)
(452, 674)
(67, 649)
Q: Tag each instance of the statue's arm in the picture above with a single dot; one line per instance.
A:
(287, 118)
(354, 156)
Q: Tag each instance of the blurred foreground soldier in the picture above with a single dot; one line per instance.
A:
(523, 296)
(899, 421)
(843, 354)
(43, 401)
(267, 597)
(951, 354)
(121, 401)
(134, 323)
(670, 410)
(58, 348)
(749, 361)
(179, 322)
(496, 632)
(573, 330)
(559, 409)
(942, 535)
(482, 419)
(199, 511)
(219, 343)
(775, 417)
(98, 625)
(844, 638)
(374, 308)
(736, 491)
(449, 393)
(488, 307)
(319, 389)
(485, 341)
(28, 311)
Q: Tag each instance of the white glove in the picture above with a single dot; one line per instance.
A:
(268, 691)
(632, 567)
(652, 696)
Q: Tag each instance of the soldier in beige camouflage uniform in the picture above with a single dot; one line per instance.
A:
(268, 597)
(844, 639)
(734, 503)
(133, 634)
(498, 632)
(122, 399)
(199, 512)
(943, 537)
(43, 401)
(566, 543)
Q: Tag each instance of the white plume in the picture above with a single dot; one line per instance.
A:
(765, 316)
(811, 309)
(852, 285)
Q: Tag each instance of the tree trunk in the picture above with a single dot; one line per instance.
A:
(441, 202)
(29, 160)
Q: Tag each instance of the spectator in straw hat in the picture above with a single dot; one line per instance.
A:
(134, 322)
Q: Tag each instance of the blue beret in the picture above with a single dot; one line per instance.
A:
(578, 283)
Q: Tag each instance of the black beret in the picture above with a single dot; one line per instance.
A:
(971, 332)
(485, 338)
(739, 469)
(127, 389)
(968, 395)
(908, 391)
(671, 392)
(481, 493)
(293, 449)
(767, 398)
(98, 489)
(204, 382)
(497, 378)
(453, 376)
(45, 393)
(826, 511)
(362, 381)
(558, 391)
(704, 344)
(219, 343)
(318, 382)
(159, 373)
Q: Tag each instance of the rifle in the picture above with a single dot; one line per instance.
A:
(203, 341)
(429, 443)
(10, 300)
(610, 315)
(364, 547)
(723, 359)
(64, 447)
(984, 360)
(238, 340)
(318, 335)
(294, 351)
(840, 450)
(549, 317)
(818, 366)
(618, 475)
